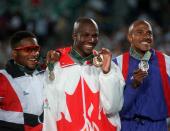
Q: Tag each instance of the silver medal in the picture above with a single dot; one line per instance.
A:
(143, 65)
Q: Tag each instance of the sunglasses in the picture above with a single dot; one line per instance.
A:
(28, 49)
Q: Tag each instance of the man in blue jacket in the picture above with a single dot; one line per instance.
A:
(147, 74)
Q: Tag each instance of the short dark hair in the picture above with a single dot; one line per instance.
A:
(83, 20)
(18, 36)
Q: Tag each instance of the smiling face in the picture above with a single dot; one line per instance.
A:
(140, 36)
(26, 53)
(85, 37)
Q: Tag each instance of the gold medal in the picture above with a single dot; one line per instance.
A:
(98, 60)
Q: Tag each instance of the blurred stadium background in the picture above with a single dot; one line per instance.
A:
(52, 22)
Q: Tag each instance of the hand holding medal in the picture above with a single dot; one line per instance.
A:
(52, 57)
(103, 60)
(98, 60)
(143, 67)
(140, 74)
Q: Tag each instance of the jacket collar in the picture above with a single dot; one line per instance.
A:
(70, 57)
(137, 56)
(16, 70)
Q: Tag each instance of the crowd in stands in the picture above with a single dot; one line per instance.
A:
(52, 22)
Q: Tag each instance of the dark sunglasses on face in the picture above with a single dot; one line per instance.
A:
(28, 49)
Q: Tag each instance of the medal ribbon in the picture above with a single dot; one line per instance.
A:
(138, 56)
(78, 58)
(143, 59)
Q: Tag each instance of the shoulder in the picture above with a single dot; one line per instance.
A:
(122, 55)
(166, 57)
(3, 76)
(64, 50)
(119, 59)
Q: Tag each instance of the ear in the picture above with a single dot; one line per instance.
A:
(74, 36)
(14, 54)
(129, 37)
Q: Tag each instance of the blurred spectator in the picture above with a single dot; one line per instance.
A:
(51, 21)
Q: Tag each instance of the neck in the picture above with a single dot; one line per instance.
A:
(76, 55)
(24, 69)
(140, 56)
(142, 53)
(76, 50)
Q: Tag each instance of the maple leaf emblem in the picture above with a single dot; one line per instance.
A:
(84, 111)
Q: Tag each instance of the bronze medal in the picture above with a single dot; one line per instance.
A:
(51, 75)
(50, 66)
